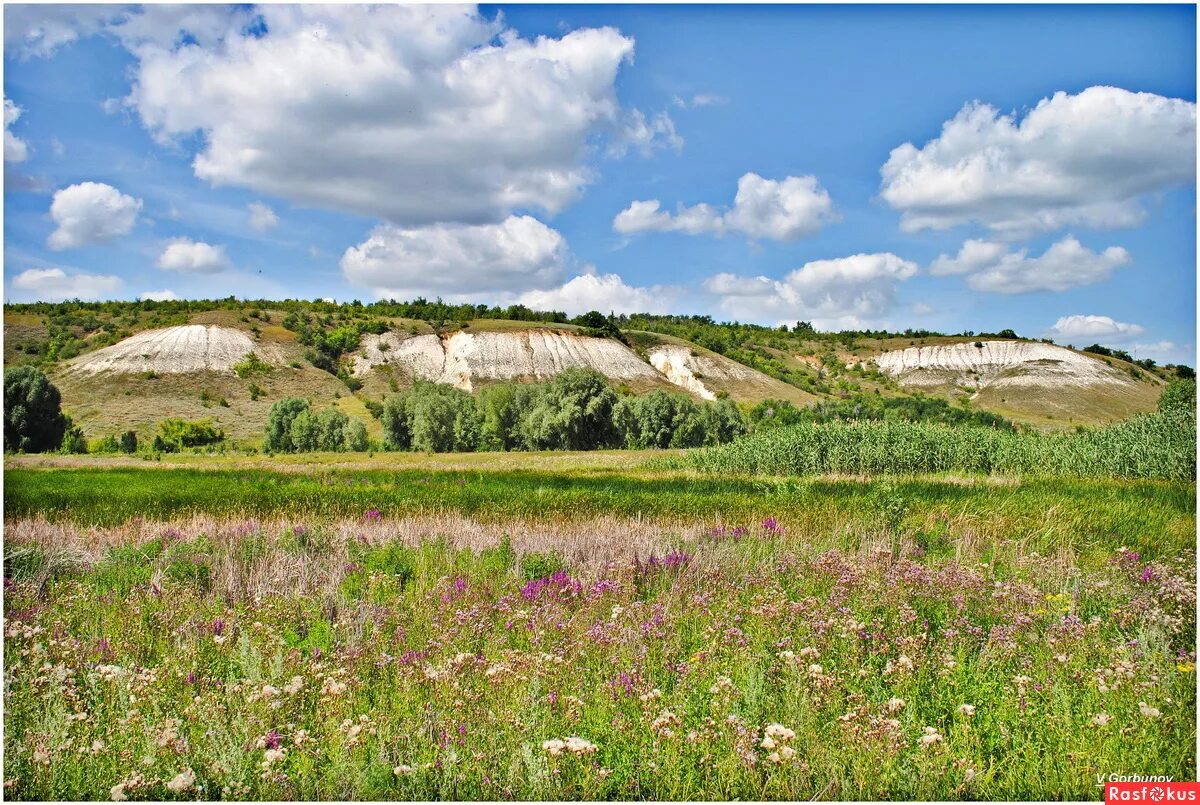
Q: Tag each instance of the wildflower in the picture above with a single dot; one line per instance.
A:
(895, 705)
(780, 732)
(662, 725)
(931, 737)
(767, 742)
(967, 710)
(402, 769)
(117, 793)
(786, 656)
(1148, 711)
(1101, 719)
(332, 687)
(554, 747)
(269, 690)
(294, 686)
(809, 653)
(300, 737)
(579, 746)
(41, 755)
(184, 781)
(1185, 667)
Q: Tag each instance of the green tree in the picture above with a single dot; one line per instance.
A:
(501, 407)
(431, 417)
(279, 424)
(33, 417)
(575, 412)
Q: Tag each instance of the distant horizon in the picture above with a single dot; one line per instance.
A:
(763, 165)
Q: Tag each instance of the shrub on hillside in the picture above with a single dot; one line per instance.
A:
(33, 417)
(182, 433)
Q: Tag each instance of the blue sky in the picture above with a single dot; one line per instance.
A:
(515, 154)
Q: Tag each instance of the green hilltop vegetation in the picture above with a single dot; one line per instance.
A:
(821, 378)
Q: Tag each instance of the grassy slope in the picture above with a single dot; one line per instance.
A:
(110, 404)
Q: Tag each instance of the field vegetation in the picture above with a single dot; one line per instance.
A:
(436, 635)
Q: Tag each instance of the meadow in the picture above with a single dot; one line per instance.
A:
(562, 626)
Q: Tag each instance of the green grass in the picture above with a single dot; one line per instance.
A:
(1149, 515)
(169, 625)
(308, 666)
(1160, 445)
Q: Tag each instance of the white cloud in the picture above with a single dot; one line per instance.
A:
(90, 213)
(698, 101)
(1163, 351)
(606, 293)
(15, 149)
(426, 113)
(645, 134)
(56, 285)
(1085, 159)
(262, 217)
(1085, 326)
(1066, 264)
(922, 309)
(186, 256)
(518, 254)
(843, 292)
(159, 296)
(784, 209)
(38, 30)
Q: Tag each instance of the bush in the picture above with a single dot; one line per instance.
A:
(73, 440)
(182, 433)
(128, 443)
(33, 417)
(251, 365)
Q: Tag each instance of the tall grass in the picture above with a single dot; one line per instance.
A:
(1160, 445)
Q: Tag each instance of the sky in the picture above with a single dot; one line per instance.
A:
(948, 168)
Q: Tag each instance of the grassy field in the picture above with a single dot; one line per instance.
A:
(587, 626)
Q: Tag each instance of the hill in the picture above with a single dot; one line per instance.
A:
(129, 365)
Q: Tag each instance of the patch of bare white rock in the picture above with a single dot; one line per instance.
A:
(175, 350)
(997, 364)
(463, 358)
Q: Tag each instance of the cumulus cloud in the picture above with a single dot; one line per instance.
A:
(15, 149)
(186, 256)
(1085, 159)
(784, 209)
(837, 293)
(1085, 326)
(426, 113)
(56, 285)
(518, 254)
(159, 296)
(89, 213)
(606, 293)
(1066, 264)
(262, 217)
